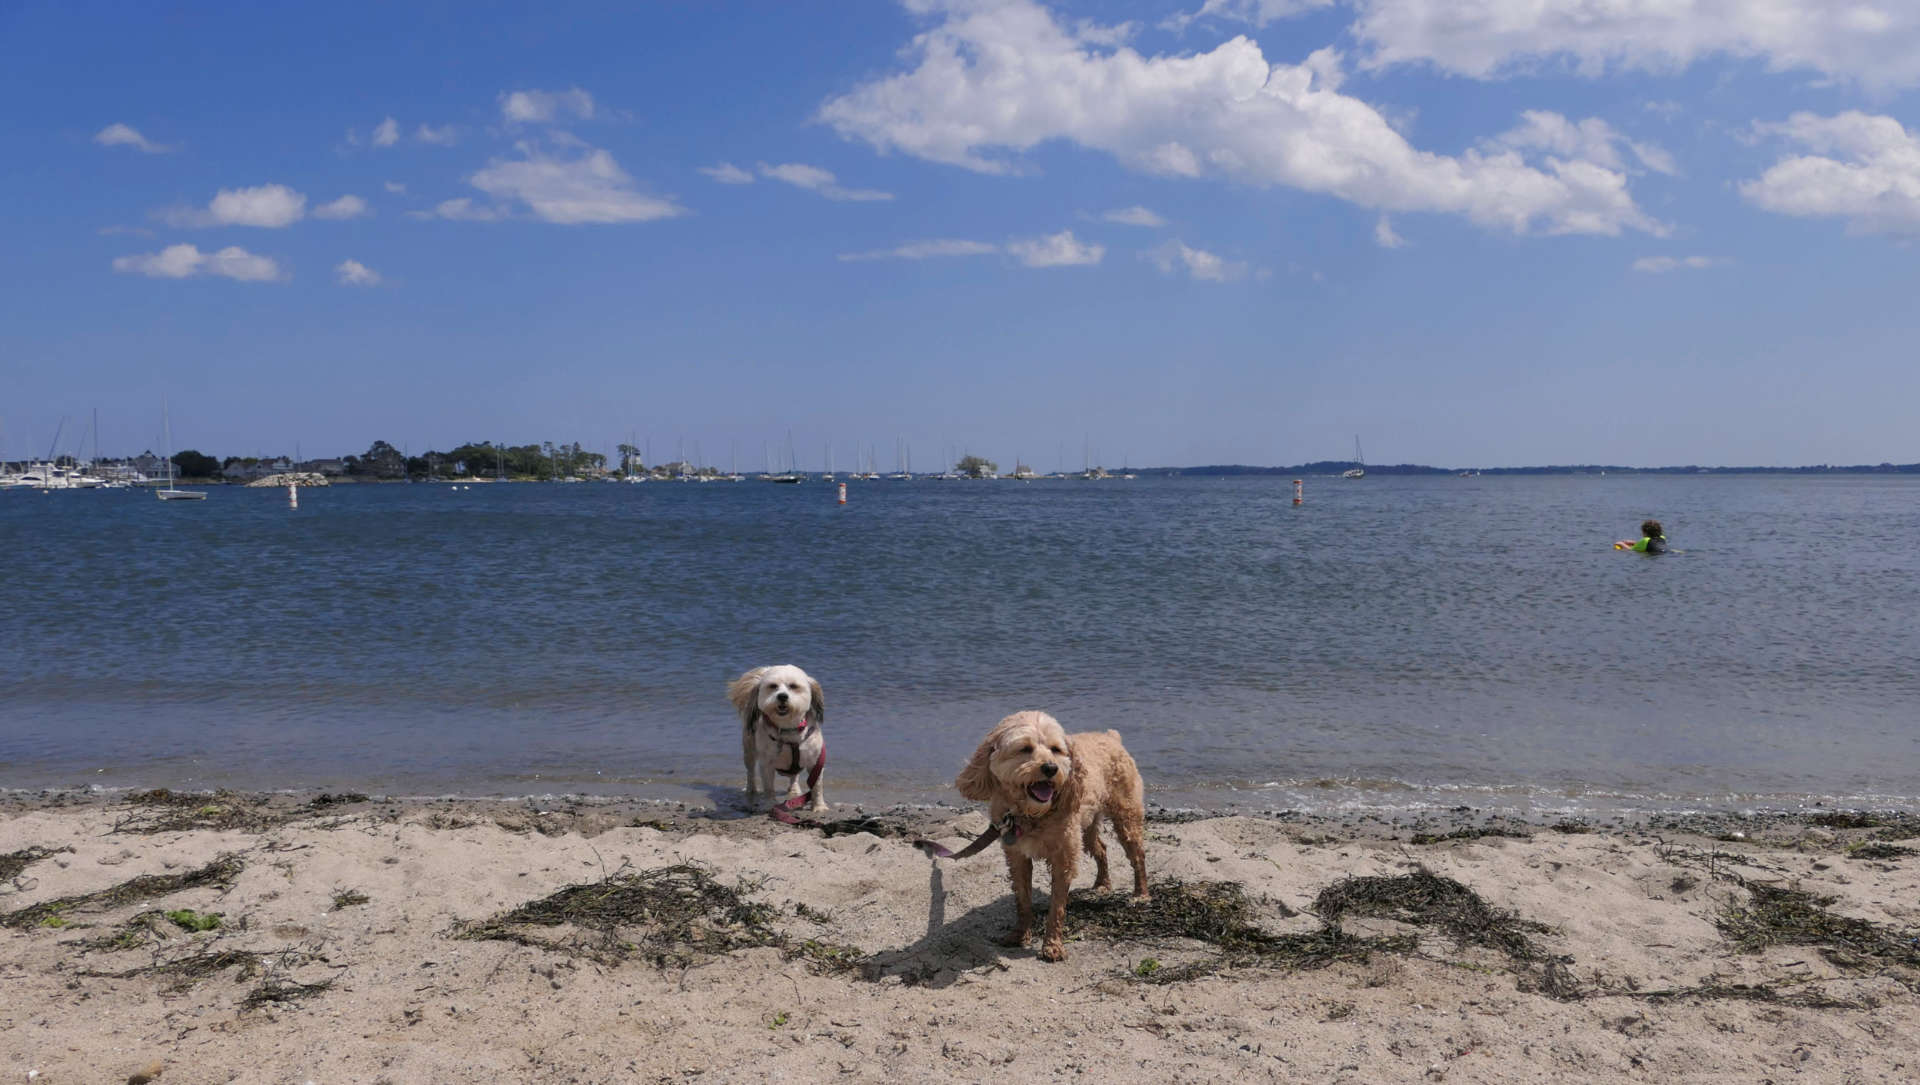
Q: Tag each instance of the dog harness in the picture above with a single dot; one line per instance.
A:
(783, 812)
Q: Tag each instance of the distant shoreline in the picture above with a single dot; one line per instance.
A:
(1235, 470)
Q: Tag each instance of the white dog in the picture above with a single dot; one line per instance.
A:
(781, 710)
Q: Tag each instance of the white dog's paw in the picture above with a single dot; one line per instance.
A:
(818, 806)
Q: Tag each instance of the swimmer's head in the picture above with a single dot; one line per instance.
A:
(1652, 529)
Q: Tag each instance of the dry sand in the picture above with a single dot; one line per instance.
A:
(354, 947)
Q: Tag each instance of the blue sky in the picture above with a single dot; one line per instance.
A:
(1471, 232)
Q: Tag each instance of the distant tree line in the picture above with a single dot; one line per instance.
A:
(482, 459)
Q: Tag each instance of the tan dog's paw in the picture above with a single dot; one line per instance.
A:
(1012, 940)
(1053, 951)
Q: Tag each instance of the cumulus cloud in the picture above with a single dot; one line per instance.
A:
(815, 179)
(545, 106)
(387, 133)
(1385, 237)
(1660, 265)
(587, 188)
(355, 273)
(728, 174)
(442, 136)
(1177, 256)
(1864, 169)
(121, 135)
(269, 206)
(1873, 42)
(1591, 140)
(187, 261)
(346, 207)
(925, 250)
(1134, 216)
(1056, 250)
(992, 81)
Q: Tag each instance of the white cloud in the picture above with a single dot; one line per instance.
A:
(355, 273)
(1659, 265)
(1385, 237)
(1198, 263)
(1865, 169)
(815, 179)
(1257, 12)
(590, 188)
(396, 187)
(442, 136)
(1134, 216)
(186, 261)
(923, 250)
(1873, 42)
(462, 209)
(992, 81)
(346, 207)
(121, 135)
(1591, 140)
(1056, 250)
(269, 206)
(543, 106)
(728, 174)
(387, 133)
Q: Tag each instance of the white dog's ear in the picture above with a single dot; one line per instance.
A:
(817, 698)
(976, 780)
(744, 693)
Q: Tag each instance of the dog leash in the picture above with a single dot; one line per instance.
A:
(1006, 830)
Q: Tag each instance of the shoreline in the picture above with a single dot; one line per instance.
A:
(466, 940)
(1330, 799)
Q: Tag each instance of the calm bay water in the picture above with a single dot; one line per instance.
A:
(1392, 643)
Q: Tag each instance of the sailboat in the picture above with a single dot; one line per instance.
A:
(1359, 469)
(166, 444)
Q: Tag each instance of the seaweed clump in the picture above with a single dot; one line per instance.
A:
(1426, 899)
(672, 916)
(13, 862)
(164, 811)
(221, 872)
(1220, 915)
(1794, 917)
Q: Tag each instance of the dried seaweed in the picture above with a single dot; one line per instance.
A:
(1220, 915)
(671, 915)
(1791, 917)
(1426, 899)
(164, 811)
(1468, 834)
(206, 959)
(220, 872)
(13, 862)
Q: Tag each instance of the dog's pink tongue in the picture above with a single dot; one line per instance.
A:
(1041, 792)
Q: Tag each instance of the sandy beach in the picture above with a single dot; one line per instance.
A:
(369, 940)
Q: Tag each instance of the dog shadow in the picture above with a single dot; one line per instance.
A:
(952, 948)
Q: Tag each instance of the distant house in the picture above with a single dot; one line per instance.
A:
(249, 468)
(330, 468)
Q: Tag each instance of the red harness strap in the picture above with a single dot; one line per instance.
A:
(783, 812)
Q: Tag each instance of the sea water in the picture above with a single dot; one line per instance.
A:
(1391, 643)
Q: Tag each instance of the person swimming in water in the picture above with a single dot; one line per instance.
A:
(1653, 539)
